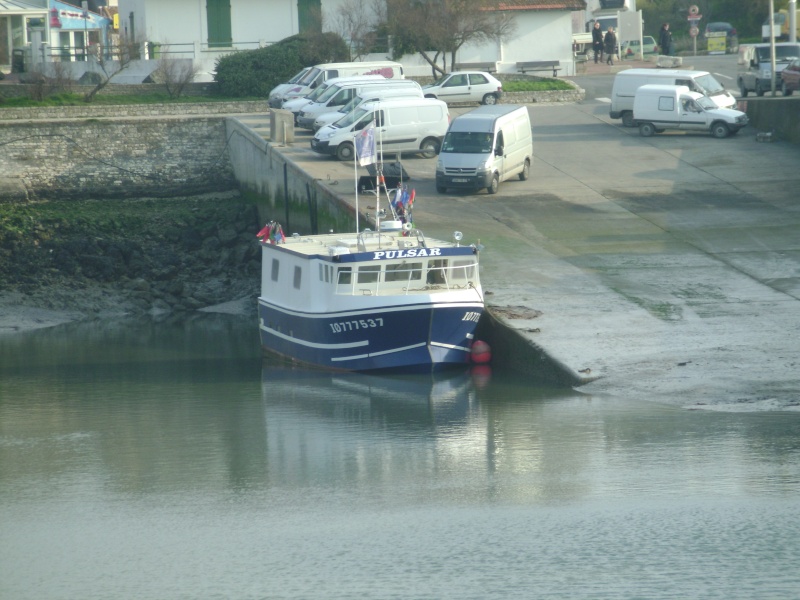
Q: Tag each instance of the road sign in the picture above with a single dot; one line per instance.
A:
(693, 31)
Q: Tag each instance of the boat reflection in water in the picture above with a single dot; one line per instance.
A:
(419, 400)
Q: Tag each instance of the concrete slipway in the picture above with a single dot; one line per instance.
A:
(663, 269)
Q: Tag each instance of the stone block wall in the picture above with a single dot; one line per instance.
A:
(105, 158)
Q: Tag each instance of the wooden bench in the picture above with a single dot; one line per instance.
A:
(489, 67)
(539, 65)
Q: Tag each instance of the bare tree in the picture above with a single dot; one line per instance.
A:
(112, 61)
(444, 26)
(175, 74)
(358, 23)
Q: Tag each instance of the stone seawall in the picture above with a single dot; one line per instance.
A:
(101, 111)
(113, 158)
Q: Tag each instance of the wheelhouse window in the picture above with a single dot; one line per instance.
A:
(403, 272)
(298, 276)
(369, 274)
(276, 266)
(345, 276)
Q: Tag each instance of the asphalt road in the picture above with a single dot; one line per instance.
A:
(667, 267)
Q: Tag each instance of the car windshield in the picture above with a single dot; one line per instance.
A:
(328, 93)
(309, 76)
(467, 142)
(708, 85)
(350, 106)
(706, 102)
(782, 53)
(299, 76)
(351, 118)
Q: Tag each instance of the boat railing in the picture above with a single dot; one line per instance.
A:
(417, 281)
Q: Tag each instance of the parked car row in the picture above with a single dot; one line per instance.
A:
(350, 113)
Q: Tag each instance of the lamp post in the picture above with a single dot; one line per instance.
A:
(85, 7)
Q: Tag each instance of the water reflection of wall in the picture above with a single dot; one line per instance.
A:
(133, 406)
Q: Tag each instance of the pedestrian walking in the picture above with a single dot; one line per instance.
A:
(597, 42)
(610, 45)
(665, 40)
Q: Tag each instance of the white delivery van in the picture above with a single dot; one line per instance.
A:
(409, 125)
(276, 94)
(342, 93)
(484, 147)
(627, 82)
(295, 105)
(660, 107)
(319, 74)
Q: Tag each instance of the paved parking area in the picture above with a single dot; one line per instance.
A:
(663, 268)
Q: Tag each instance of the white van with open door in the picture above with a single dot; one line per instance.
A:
(484, 147)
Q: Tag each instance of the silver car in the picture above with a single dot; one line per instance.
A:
(465, 86)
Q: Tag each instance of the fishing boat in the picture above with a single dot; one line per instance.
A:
(383, 299)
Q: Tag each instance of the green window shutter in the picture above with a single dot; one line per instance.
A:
(218, 14)
(309, 15)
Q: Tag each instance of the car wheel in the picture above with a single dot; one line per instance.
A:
(627, 119)
(441, 189)
(490, 99)
(492, 189)
(742, 89)
(720, 130)
(646, 129)
(784, 90)
(759, 89)
(429, 147)
(526, 171)
(345, 151)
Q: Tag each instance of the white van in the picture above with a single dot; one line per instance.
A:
(660, 107)
(295, 105)
(484, 147)
(277, 92)
(342, 93)
(413, 125)
(627, 82)
(318, 74)
(373, 94)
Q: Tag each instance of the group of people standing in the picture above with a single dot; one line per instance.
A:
(604, 44)
(607, 44)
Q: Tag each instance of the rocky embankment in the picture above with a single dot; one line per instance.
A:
(146, 256)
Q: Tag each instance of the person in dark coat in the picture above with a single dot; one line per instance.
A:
(597, 42)
(665, 40)
(610, 45)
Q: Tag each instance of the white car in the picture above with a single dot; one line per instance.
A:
(465, 86)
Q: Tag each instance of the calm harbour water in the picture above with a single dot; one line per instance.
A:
(166, 460)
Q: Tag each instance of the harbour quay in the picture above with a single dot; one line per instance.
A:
(661, 269)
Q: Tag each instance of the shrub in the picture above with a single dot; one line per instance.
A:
(253, 73)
